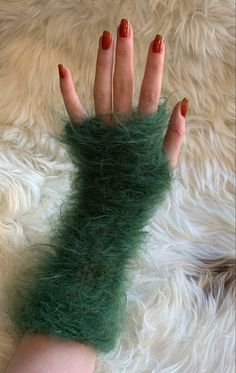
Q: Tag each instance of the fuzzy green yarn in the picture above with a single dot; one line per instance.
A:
(121, 177)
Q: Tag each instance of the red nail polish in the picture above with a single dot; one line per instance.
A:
(62, 71)
(157, 46)
(184, 106)
(124, 28)
(106, 40)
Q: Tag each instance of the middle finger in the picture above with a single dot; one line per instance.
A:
(123, 74)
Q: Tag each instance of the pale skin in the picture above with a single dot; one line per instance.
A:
(41, 354)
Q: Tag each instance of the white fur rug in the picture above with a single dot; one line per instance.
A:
(181, 301)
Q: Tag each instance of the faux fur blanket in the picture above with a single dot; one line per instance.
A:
(181, 313)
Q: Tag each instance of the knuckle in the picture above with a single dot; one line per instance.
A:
(122, 87)
(153, 66)
(99, 94)
(149, 96)
(178, 131)
(102, 64)
(122, 52)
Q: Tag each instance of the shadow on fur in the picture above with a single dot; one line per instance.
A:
(217, 277)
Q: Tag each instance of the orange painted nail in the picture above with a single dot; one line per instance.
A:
(61, 70)
(157, 45)
(184, 106)
(106, 40)
(124, 28)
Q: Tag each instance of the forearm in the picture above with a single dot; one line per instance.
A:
(37, 353)
(122, 175)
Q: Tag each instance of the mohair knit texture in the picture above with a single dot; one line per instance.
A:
(121, 177)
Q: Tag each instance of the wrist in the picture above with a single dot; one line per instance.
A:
(41, 353)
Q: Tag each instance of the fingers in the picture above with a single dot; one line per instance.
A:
(151, 85)
(71, 100)
(175, 133)
(123, 73)
(123, 87)
(103, 77)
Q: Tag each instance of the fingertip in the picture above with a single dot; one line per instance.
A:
(184, 106)
(62, 71)
(174, 135)
(66, 81)
(180, 110)
(177, 121)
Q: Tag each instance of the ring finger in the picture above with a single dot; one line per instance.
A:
(151, 85)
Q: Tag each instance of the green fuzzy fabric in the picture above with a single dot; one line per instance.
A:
(121, 177)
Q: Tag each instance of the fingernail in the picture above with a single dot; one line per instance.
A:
(62, 71)
(106, 40)
(157, 45)
(124, 28)
(184, 106)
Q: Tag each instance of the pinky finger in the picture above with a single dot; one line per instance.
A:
(71, 100)
(175, 133)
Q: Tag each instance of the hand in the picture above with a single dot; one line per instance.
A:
(123, 86)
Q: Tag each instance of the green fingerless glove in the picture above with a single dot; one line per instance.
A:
(121, 177)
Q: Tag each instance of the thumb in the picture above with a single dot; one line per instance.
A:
(72, 102)
(175, 132)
